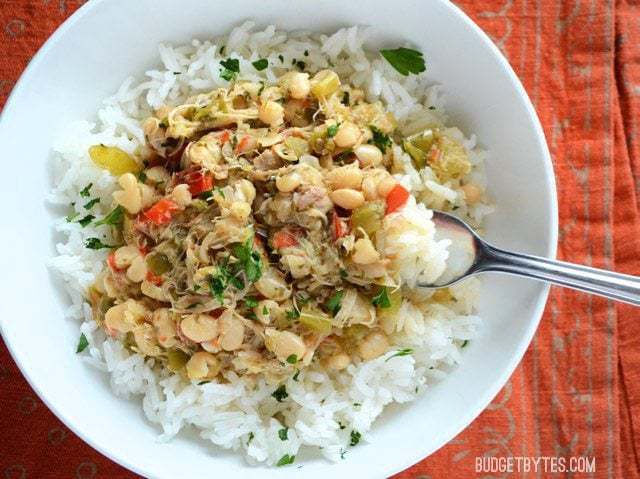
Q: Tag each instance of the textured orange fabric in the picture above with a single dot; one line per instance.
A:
(577, 391)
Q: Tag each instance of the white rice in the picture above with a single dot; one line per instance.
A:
(323, 409)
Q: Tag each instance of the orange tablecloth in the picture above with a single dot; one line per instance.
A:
(577, 391)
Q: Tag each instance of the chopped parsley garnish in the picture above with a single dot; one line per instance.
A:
(400, 352)
(72, 216)
(382, 298)
(292, 359)
(343, 273)
(82, 343)
(342, 453)
(250, 302)
(342, 426)
(293, 314)
(251, 436)
(295, 376)
(432, 107)
(115, 217)
(281, 58)
(85, 191)
(260, 64)
(96, 243)
(300, 64)
(222, 48)
(205, 195)
(379, 139)
(86, 220)
(231, 68)
(265, 310)
(220, 192)
(346, 99)
(280, 394)
(253, 316)
(355, 438)
(334, 302)
(261, 88)
(464, 343)
(249, 259)
(142, 177)
(405, 60)
(332, 130)
(286, 460)
(283, 434)
(217, 285)
(203, 382)
(177, 73)
(90, 204)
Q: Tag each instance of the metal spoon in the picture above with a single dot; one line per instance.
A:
(469, 254)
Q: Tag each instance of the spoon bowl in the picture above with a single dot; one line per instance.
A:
(469, 254)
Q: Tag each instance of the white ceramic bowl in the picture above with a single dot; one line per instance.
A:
(107, 40)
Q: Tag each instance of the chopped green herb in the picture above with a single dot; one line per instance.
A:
(72, 216)
(283, 434)
(334, 302)
(90, 204)
(405, 60)
(82, 344)
(400, 352)
(203, 382)
(220, 192)
(332, 130)
(177, 73)
(306, 53)
(432, 107)
(293, 314)
(281, 58)
(292, 359)
(236, 282)
(260, 64)
(231, 68)
(342, 453)
(295, 376)
(355, 438)
(142, 176)
(379, 139)
(342, 426)
(261, 88)
(346, 98)
(286, 460)
(343, 273)
(249, 259)
(356, 404)
(86, 220)
(217, 285)
(251, 436)
(222, 48)
(280, 394)
(253, 316)
(85, 191)
(300, 64)
(250, 302)
(115, 217)
(382, 299)
(205, 195)
(96, 243)
(265, 310)
(464, 343)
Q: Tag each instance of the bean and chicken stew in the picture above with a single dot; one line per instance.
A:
(250, 240)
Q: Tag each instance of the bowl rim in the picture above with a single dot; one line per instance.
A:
(552, 231)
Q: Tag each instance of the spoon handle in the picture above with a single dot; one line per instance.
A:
(621, 287)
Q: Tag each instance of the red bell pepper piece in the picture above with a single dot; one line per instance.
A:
(199, 182)
(161, 212)
(284, 239)
(339, 228)
(154, 278)
(396, 198)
